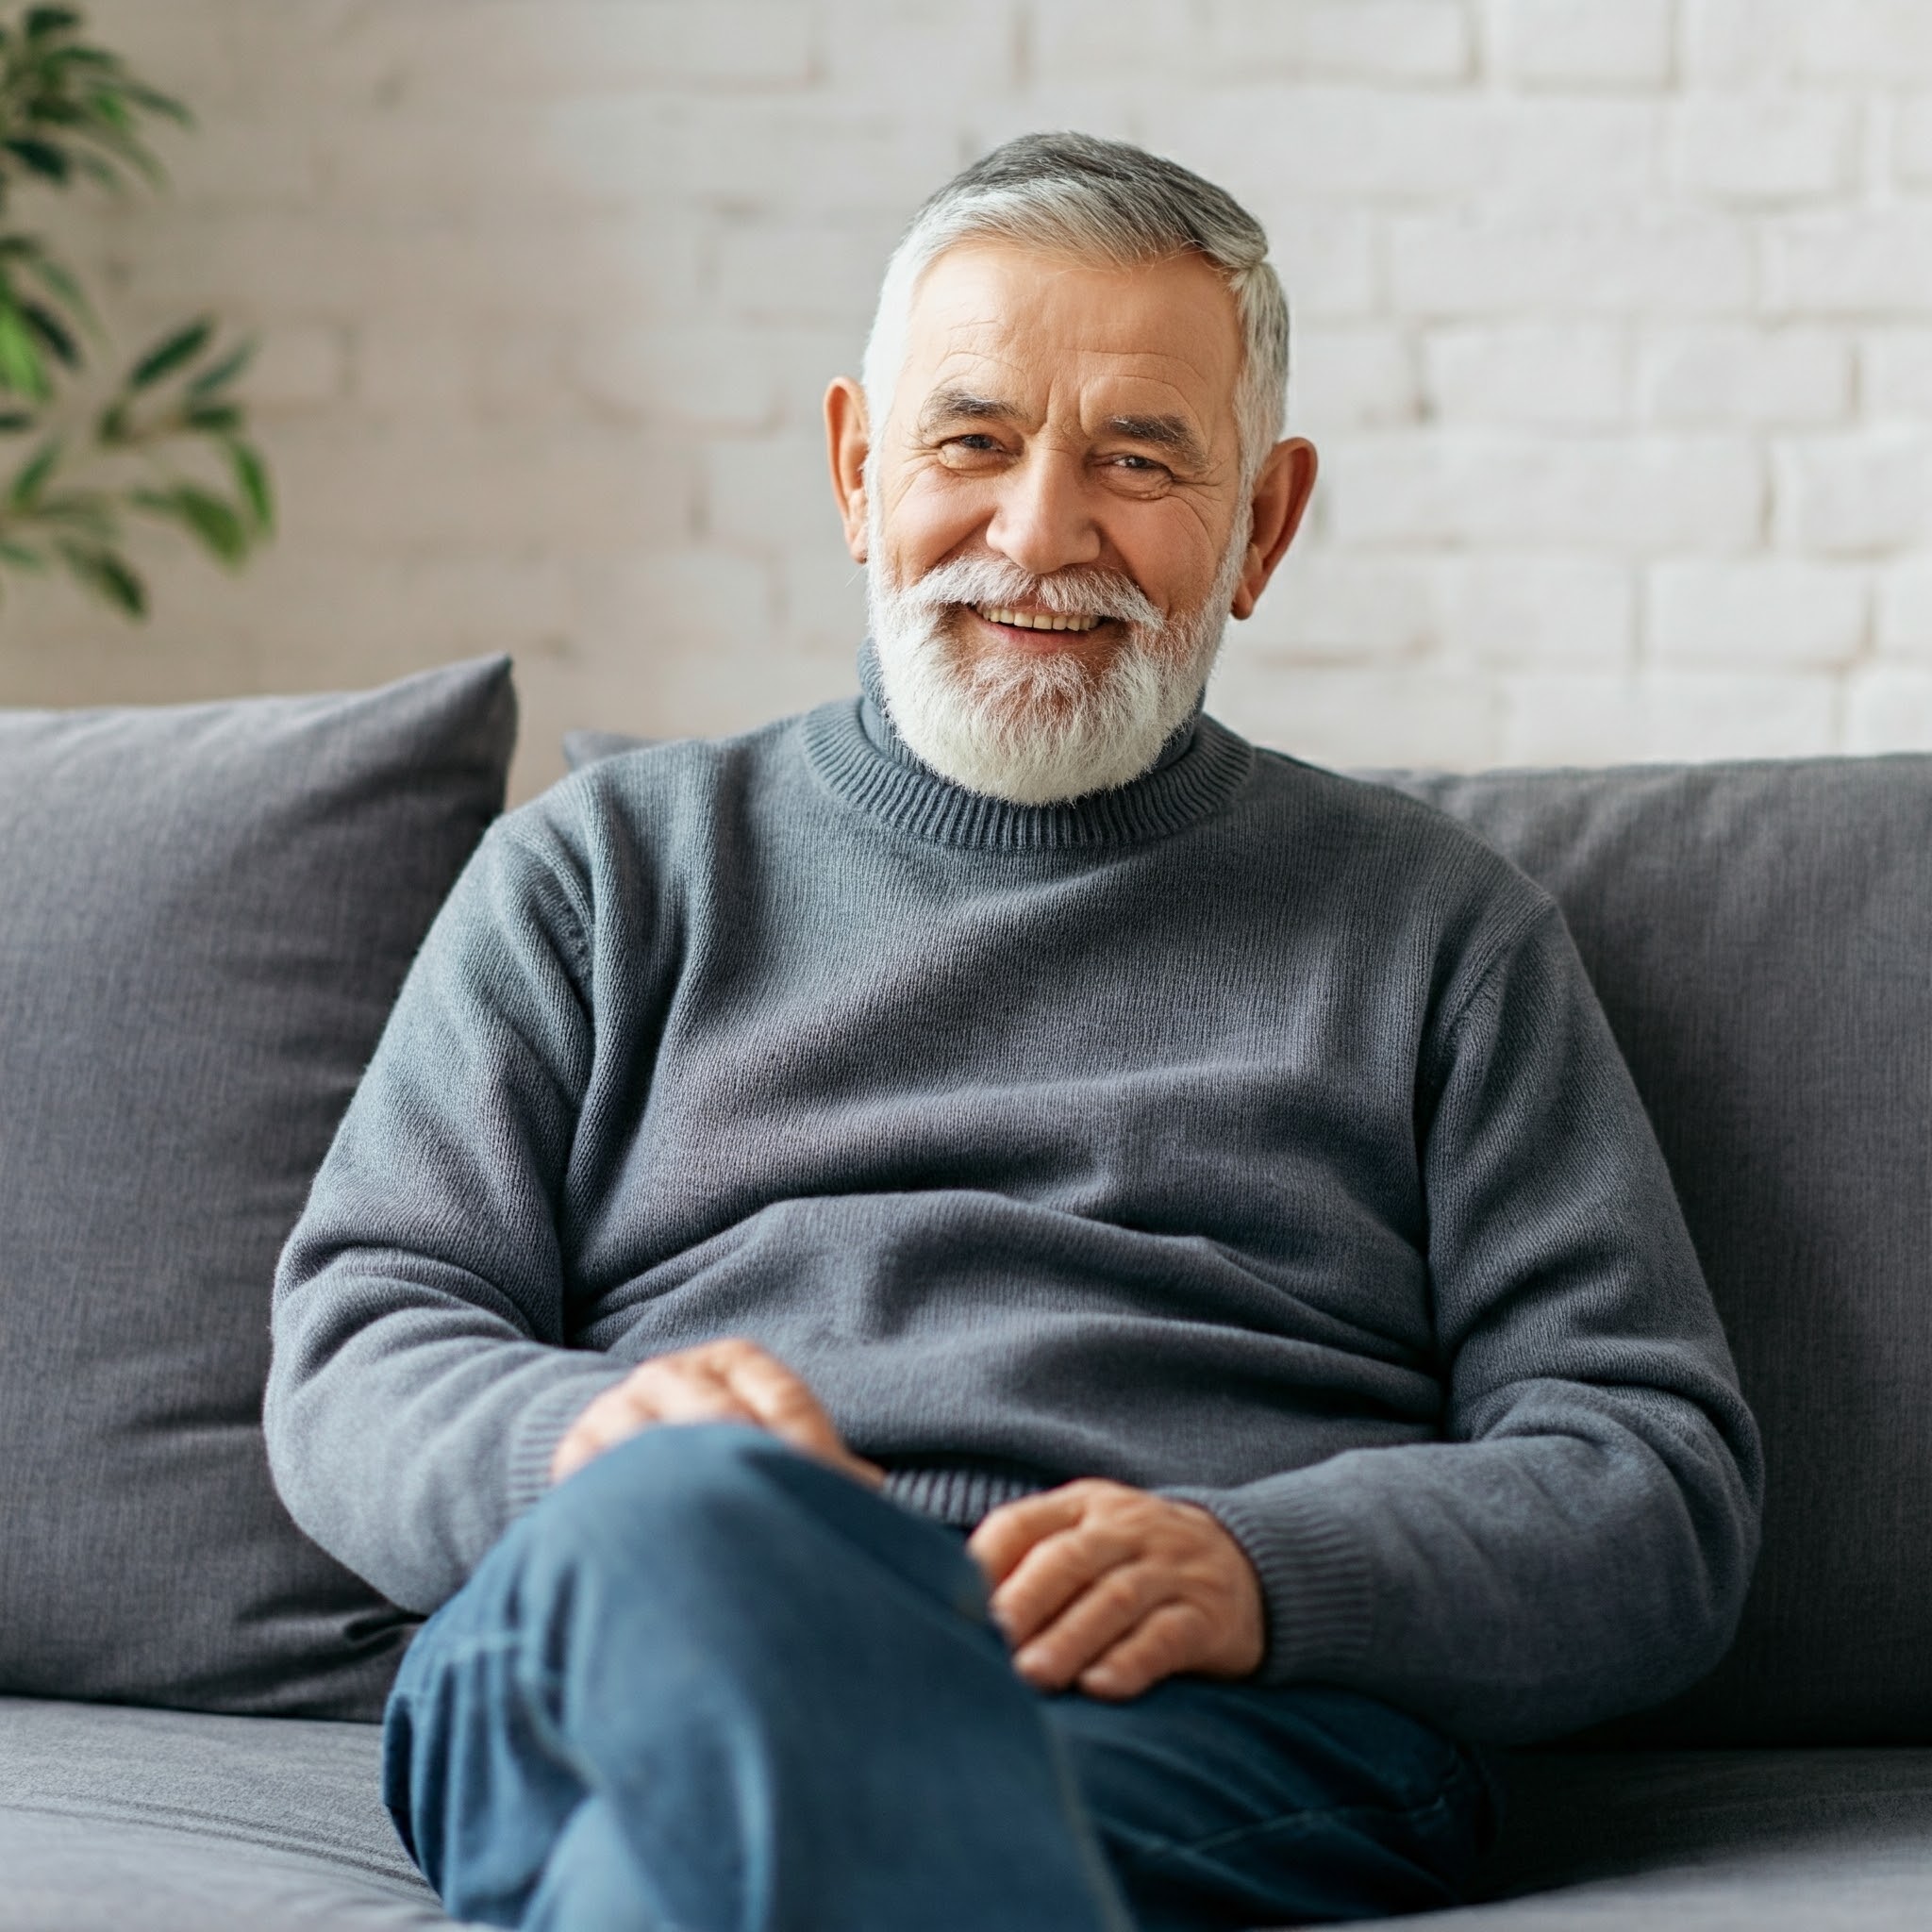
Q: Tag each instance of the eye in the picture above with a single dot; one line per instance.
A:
(970, 451)
(1133, 468)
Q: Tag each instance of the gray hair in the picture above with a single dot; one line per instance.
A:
(1108, 200)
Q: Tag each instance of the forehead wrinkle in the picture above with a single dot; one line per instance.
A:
(1008, 342)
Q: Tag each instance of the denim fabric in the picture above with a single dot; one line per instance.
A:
(709, 1684)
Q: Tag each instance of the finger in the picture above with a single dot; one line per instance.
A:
(612, 1418)
(672, 1389)
(584, 1441)
(1164, 1643)
(781, 1399)
(784, 1403)
(1050, 1575)
(1006, 1533)
(1106, 1611)
(684, 1390)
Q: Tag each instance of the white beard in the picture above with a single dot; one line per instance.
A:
(1037, 728)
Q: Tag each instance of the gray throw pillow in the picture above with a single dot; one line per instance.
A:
(206, 912)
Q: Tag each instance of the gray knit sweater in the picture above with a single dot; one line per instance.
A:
(1249, 1133)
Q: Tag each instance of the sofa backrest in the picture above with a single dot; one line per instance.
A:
(1761, 937)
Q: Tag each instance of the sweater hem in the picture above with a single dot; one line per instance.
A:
(958, 1495)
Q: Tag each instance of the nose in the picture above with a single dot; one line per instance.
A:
(1042, 521)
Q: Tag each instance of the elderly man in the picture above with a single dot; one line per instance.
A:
(989, 1308)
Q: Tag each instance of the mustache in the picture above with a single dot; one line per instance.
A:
(1078, 590)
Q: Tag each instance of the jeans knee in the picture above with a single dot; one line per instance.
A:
(648, 1494)
(732, 1503)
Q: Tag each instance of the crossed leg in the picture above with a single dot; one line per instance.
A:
(708, 1684)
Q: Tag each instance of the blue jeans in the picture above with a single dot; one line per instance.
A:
(709, 1685)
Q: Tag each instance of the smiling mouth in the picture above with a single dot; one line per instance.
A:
(1033, 620)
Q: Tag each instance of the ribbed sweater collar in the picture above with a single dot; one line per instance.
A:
(861, 759)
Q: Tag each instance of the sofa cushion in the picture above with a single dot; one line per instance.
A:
(207, 911)
(176, 1821)
(113, 1818)
(1761, 937)
(1760, 1841)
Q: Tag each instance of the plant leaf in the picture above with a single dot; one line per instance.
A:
(105, 103)
(99, 172)
(50, 162)
(155, 102)
(43, 22)
(171, 353)
(213, 523)
(21, 556)
(216, 419)
(107, 576)
(105, 131)
(22, 368)
(31, 477)
(85, 510)
(252, 480)
(52, 332)
(60, 281)
(224, 372)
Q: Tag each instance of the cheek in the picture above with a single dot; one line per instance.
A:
(928, 520)
(1169, 552)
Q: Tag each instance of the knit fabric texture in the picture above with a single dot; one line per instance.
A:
(1248, 1133)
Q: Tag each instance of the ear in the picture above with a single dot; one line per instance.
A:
(1281, 494)
(848, 442)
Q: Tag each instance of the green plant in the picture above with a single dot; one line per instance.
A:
(168, 441)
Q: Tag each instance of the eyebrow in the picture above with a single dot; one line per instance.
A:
(1163, 432)
(1172, 433)
(950, 405)
(1159, 431)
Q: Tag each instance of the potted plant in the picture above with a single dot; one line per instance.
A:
(166, 441)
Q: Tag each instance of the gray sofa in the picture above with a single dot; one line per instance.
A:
(204, 914)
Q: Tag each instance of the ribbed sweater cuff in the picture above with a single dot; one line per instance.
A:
(1314, 1574)
(961, 1496)
(541, 1427)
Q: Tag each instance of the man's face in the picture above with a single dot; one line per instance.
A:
(1054, 515)
(1059, 416)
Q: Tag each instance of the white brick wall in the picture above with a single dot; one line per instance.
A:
(1615, 332)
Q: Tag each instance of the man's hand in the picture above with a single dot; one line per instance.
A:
(1113, 1589)
(716, 1382)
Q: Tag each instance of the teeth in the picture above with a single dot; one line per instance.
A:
(1022, 620)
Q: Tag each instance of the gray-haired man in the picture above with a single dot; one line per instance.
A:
(1189, 1324)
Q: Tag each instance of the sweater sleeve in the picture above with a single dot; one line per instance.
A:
(419, 1381)
(1578, 1541)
